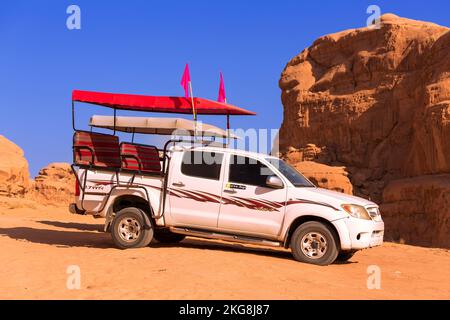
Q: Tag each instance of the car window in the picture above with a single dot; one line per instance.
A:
(200, 164)
(244, 170)
(295, 177)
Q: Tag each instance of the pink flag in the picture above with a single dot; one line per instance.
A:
(222, 95)
(185, 80)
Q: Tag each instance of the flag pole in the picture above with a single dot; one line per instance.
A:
(194, 112)
(228, 126)
(223, 98)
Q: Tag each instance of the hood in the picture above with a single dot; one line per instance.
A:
(334, 198)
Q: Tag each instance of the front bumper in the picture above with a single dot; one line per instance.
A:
(357, 234)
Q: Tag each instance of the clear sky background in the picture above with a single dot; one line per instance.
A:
(141, 47)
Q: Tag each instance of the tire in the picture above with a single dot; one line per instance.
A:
(130, 230)
(344, 256)
(165, 236)
(320, 245)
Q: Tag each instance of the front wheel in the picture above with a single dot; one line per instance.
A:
(130, 230)
(313, 242)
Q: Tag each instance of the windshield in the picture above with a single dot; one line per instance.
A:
(295, 177)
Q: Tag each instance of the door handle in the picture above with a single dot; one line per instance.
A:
(178, 184)
(229, 191)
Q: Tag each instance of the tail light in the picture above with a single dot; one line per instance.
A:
(77, 188)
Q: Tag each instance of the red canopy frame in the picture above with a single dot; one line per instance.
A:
(164, 104)
(136, 102)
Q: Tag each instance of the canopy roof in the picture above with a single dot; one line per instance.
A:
(163, 126)
(157, 103)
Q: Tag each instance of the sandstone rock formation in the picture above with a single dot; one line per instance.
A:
(54, 185)
(333, 178)
(14, 176)
(419, 206)
(309, 153)
(376, 101)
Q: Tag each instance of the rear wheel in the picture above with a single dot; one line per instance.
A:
(165, 236)
(129, 229)
(313, 242)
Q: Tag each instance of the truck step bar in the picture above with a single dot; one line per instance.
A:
(224, 236)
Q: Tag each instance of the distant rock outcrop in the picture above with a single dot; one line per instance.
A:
(376, 101)
(53, 186)
(333, 178)
(14, 175)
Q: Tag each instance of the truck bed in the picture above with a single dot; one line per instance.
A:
(103, 185)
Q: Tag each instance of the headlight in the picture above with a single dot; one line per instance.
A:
(375, 214)
(356, 211)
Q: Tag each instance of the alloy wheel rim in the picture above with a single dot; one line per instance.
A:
(314, 245)
(129, 229)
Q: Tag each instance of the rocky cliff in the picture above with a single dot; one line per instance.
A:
(417, 210)
(14, 176)
(377, 101)
(53, 186)
(328, 177)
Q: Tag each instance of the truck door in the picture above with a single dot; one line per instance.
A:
(195, 189)
(249, 205)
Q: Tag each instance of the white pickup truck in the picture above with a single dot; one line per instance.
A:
(203, 190)
(218, 193)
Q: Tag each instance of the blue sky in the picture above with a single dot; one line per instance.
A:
(142, 46)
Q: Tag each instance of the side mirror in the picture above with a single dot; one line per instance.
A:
(274, 182)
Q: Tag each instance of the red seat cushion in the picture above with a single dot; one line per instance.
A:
(147, 155)
(105, 148)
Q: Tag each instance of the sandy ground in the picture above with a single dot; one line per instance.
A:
(38, 245)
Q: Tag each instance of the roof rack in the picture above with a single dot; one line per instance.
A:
(159, 126)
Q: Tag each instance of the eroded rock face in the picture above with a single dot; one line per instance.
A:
(54, 185)
(333, 178)
(14, 176)
(417, 210)
(377, 99)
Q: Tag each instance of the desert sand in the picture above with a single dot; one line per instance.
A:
(39, 244)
